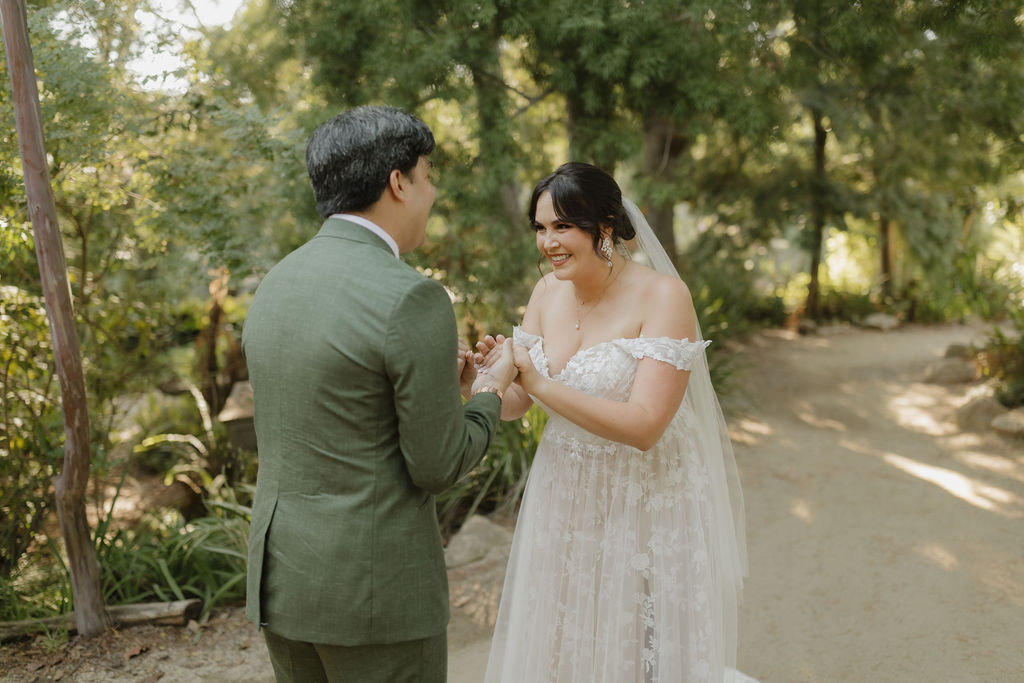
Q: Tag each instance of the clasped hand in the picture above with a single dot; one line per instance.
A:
(489, 352)
(498, 371)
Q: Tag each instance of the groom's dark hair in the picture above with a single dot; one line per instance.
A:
(350, 156)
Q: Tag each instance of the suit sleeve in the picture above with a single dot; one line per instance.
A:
(441, 439)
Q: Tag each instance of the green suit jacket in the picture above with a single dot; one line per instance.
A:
(359, 422)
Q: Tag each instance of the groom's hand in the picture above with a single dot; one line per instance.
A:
(467, 369)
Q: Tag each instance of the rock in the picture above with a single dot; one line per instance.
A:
(806, 326)
(977, 414)
(958, 351)
(237, 417)
(239, 403)
(949, 371)
(880, 321)
(1010, 423)
(474, 541)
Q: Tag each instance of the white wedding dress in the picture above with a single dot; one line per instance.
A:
(623, 567)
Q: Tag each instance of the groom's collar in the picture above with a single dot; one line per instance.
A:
(369, 225)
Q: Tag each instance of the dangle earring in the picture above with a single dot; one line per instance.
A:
(606, 250)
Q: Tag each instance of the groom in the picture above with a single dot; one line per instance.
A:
(356, 371)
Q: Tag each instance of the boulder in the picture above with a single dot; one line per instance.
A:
(1010, 423)
(949, 371)
(806, 326)
(474, 541)
(880, 321)
(236, 416)
(977, 414)
(958, 351)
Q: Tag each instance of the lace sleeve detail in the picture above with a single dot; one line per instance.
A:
(524, 338)
(535, 344)
(680, 353)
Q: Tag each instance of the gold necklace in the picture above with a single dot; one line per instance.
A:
(597, 300)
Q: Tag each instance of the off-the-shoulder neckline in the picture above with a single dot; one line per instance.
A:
(582, 349)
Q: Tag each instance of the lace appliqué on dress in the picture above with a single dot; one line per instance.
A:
(678, 352)
(610, 577)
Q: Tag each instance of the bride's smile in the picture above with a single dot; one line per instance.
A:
(568, 248)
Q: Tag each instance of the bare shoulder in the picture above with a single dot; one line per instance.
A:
(667, 305)
(547, 284)
(660, 289)
(543, 293)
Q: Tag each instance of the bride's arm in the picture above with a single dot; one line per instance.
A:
(657, 390)
(516, 401)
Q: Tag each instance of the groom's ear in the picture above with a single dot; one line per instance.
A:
(396, 184)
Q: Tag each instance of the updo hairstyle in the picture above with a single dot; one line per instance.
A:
(587, 197)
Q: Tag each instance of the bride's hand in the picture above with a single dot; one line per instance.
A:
(503, 370)
(528, 375)
(484, 357)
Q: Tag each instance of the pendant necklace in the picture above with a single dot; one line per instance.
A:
(579, 304)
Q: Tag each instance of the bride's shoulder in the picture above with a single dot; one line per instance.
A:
(657, 287)
(545, 287)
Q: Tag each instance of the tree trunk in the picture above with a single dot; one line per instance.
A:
(818, 184)
(663, 147)
(885, 250)
(69, 485)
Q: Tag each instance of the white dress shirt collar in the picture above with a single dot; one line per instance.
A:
(371, 226)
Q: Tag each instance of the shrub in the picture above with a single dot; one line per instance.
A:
(497, 483)
(1002, 358)
(31, 431)
(836, 304)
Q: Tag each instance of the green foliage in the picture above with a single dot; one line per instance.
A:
(1002, 358)
(719, 271)
(38, 589)
(838, 304)
(497, 483)
(170, 559)
(152, 191)
(32, 428)
(699, 103)
(163, 558)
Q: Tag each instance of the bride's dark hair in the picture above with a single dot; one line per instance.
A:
(587, 197)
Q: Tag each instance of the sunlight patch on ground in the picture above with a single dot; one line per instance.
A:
(746, 431)
(937, 554)
(992, 463)
(802, 511)
(806, 414)
(915, 409)
(984, 496)
(965, 440)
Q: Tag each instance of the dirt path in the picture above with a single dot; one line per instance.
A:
(885, 544)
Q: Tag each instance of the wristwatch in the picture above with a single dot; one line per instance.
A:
(491, 390)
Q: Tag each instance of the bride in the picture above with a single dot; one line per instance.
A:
(628, 554)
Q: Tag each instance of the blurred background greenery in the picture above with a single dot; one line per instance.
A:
(802, 161)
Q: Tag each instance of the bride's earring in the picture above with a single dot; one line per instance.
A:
(606, 250)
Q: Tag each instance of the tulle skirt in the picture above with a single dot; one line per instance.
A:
(616, 573)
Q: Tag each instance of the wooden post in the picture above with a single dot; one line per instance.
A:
(69, 485)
